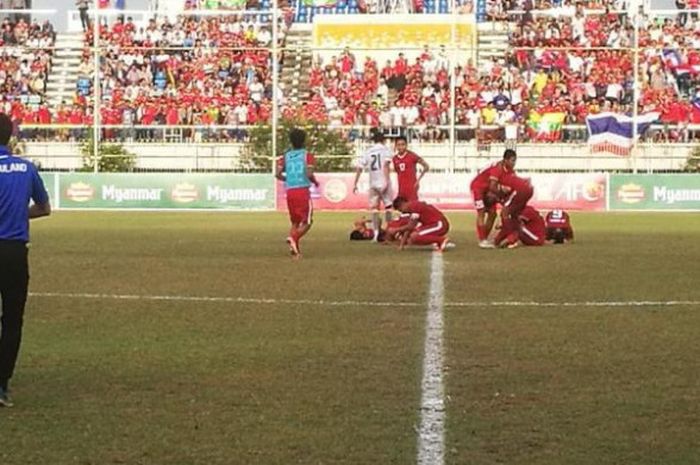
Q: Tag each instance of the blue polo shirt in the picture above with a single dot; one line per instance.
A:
(19, 182)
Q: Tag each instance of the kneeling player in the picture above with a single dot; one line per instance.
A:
(427, 225)
(558, 226)
(529, 231)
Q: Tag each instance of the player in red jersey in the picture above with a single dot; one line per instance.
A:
(406, 167)
(486, 181)
(529, 230)
(558, 226)
(296, 169)
(517, 193)
(427, 225)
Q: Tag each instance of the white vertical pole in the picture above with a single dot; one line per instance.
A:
(96, 87)
(453, 78)
(275, 82)
(635, 91)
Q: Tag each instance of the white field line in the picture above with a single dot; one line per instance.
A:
(240, 300)
(360, 303)
(431, 435)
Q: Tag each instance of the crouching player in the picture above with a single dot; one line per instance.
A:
(427, 225)
(558, 226)
(529, 230)
(482, 186)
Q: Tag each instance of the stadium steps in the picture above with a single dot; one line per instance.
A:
(492, 41)
(62, 81)
(296, 64)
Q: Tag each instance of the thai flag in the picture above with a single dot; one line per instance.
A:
(695, 113)
(672, 58)
(613, 132)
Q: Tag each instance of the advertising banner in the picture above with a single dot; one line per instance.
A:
(577, 191)
(655, 192)
(167, 191)
(50, 185)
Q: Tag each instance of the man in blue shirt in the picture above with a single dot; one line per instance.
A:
(19, 183)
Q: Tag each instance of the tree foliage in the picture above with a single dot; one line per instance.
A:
(693, 163)
(332, 150)
(112, 158)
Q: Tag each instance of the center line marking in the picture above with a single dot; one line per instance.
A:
(431, 435)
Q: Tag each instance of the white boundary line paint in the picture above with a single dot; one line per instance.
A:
(240, 300)
(431, 434)
(359, 303)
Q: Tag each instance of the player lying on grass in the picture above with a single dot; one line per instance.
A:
(487, 181)
(296, 169)
(362, 232)
(529, 230)
(558, 226)
(426, 226)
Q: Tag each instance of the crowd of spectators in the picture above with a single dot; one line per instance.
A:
(216, 71)
(26, 51)
(574, 67)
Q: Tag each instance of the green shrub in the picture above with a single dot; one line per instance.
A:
(693, 163)
(332, 150)
(112, 158)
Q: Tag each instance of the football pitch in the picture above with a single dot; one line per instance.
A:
(193, 338)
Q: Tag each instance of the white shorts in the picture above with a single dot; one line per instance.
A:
(375, 195)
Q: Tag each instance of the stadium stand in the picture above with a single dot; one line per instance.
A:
(194, 71)
(26, 51)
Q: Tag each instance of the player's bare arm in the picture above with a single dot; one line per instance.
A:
(279, 172)
(38, 210)
(358, 173)
(425, 168)
(310, 173)
(386, 170)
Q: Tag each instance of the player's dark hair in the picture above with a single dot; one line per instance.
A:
(5, 129)
(558, 236)
(403, 138)
(398, 201)
(509, 153)
(297, 137)
(356, 236)
(377, 135)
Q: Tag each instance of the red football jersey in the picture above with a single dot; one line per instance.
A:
(558, 219)
(532, 231)
(406, 167)
(425, 213)
(495, 171)
(515, 182)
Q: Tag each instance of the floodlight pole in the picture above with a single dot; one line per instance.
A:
(275, 83)
(453, 78)
(635, 91)
(96, 87)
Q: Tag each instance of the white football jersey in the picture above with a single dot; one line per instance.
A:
(374, 160)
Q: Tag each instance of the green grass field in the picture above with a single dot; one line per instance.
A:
(258, 377)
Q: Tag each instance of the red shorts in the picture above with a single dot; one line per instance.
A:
(436, 229)
(299, 205)
(531, 236)
(478, 196)
(517, 200)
